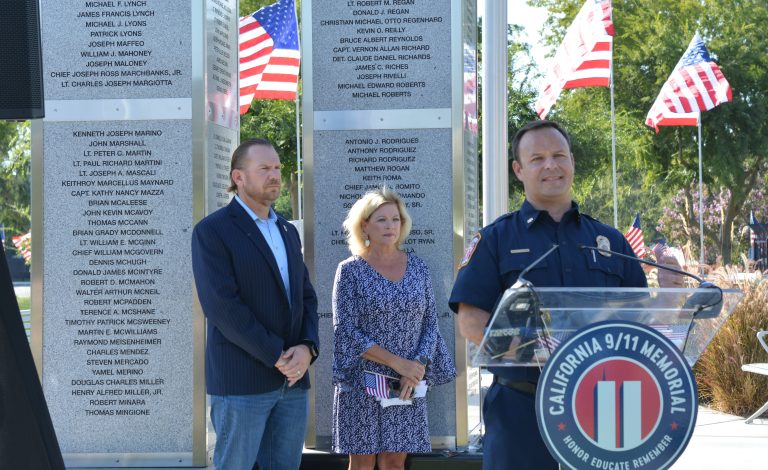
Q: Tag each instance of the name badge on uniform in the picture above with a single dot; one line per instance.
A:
(603, 244)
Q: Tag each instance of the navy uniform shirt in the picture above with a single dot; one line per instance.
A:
(501, 250)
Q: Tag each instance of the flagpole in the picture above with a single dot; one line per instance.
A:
(300, 191)
(613, 145)
(701, 202)
(298, 157)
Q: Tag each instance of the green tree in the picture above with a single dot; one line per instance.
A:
(651, 36)
(14, 177)
(275, 120)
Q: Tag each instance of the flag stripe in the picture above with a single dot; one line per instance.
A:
(376, 385)
(258, 42)
(254, 53)
(22, 243)
(634, 237)
(584, 57)
(269, 74)
(595, 65)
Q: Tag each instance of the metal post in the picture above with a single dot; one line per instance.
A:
(613, 150)
(701, 203)
(300, 215)
(299, 193)
(495, 170)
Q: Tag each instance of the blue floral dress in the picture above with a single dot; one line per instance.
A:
(400, 317)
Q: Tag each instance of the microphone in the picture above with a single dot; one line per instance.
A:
(704, 304)
(516, 318)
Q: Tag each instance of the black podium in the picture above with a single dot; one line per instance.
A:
(27, 438)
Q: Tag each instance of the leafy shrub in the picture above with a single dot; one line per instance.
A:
(722, 384)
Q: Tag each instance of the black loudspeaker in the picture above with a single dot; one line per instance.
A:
(27, 437)
(21, 64)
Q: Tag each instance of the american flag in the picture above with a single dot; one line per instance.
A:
(22, 243)
(696, 85)
(269, 54)
(635, 237)
(584, 57)
(552, 340)
(674, 332)
(376, 385)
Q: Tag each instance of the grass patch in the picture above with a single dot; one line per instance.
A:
(24, 303)
(722, 384)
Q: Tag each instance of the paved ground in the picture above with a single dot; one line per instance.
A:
(725, 442)
(22, 289)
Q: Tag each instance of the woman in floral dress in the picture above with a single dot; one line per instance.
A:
(385, 323)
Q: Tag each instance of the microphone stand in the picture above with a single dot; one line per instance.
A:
(699, 306)
(702, 283)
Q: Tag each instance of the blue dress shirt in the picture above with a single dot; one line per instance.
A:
(271, 232)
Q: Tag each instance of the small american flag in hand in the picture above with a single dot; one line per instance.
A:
(376, 385)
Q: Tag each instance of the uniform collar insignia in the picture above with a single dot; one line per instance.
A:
(528, 213)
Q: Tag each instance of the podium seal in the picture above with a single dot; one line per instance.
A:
(616, 396)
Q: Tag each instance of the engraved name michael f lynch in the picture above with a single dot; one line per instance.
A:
(116, 44)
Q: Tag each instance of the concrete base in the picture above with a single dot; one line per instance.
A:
(323, 461)
(442, 461)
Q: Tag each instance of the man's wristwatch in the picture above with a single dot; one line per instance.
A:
(313, 351)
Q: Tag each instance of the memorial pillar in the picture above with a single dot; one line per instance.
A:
(141, 121)
(389, 99)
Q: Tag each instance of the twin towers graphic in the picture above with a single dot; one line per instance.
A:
(618, 414)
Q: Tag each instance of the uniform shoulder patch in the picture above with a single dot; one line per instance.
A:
(470, 249)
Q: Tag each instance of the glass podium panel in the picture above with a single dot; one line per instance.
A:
(529, 323)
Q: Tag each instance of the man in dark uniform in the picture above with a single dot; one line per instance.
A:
(543, 162)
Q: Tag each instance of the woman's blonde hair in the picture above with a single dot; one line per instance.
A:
(362, 210)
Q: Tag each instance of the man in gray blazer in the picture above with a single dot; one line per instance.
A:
(262, 319)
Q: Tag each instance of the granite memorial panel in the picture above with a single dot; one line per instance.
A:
(117, 215)
(386, 109)
(381, 54)
(135, 149)
(122, 49)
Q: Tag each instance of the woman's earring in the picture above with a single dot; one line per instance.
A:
(367, 241)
